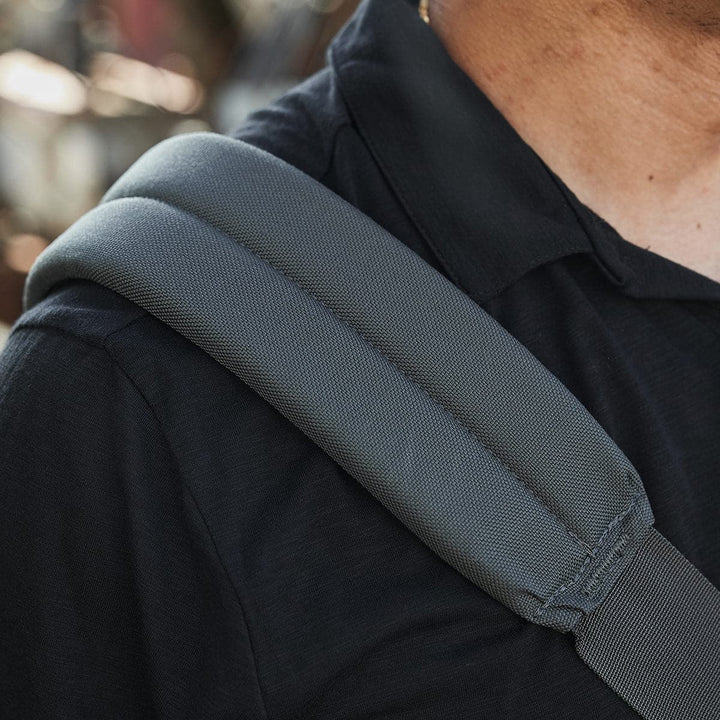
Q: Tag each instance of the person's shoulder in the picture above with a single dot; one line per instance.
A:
(300, 128)
(302, 125)
(85, 310)
(85, 314)
(84, 335)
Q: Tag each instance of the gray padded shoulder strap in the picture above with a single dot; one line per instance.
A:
(410, 386)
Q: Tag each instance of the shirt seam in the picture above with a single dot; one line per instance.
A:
(99, 343)
(397, 189)
(116, 363)
(190, 493)
(344, 124)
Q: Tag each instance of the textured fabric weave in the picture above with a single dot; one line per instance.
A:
(656, 639)
(432, 429)
(167, 535)
(482, 453)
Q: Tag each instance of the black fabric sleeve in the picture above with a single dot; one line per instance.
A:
(113, 600)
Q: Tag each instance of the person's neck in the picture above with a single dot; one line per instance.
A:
(621, 99)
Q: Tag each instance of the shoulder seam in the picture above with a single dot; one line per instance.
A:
(99, 344)
(62, 331)
(116, 362)
(346, 123)
(142, 316)
(237, 597)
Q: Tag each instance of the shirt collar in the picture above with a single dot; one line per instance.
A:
(639, 272)
(482, 199)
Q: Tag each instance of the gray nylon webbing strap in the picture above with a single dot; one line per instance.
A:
(661, 616)
(411, 387)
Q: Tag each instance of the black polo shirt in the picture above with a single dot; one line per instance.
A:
(172, 547)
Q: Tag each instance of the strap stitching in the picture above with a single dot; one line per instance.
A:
(593, 553)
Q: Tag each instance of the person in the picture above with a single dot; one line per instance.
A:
(173, 547)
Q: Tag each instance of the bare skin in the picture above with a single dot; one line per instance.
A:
(621, 98)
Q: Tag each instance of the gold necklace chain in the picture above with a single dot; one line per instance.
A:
(423, 10)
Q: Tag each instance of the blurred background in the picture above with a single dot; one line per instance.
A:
(86, 86)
